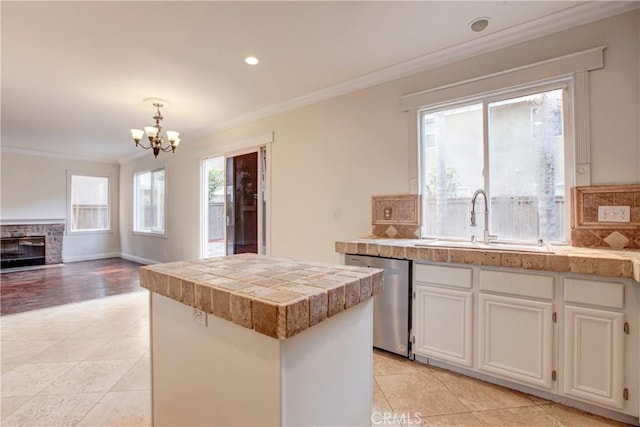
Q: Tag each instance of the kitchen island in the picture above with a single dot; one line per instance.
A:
(256, 340)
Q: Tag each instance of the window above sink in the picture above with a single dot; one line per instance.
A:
(510, 143)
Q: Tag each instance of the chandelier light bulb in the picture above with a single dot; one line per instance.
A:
(137, 134)
(172, 135)
(151, 131)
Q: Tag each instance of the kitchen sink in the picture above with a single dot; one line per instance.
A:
(492, 246)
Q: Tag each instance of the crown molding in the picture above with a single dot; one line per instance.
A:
(38, 153)
(580, 14)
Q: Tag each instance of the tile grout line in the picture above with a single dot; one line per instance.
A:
(444, 384)
(437, 379)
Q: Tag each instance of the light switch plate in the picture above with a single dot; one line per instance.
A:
(614, 213)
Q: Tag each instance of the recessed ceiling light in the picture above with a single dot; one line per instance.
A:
(479, 24)
(251, 60)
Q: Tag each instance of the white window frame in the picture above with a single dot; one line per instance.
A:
(577, 129)
(163, 233)
(69, 229)
(564, 83)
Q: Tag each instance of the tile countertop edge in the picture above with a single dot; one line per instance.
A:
(562, 259)
(314, 291)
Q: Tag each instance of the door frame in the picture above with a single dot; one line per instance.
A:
(257, 144)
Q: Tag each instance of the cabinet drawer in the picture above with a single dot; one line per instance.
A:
(458, 277)
(603, 294)
(521, 284)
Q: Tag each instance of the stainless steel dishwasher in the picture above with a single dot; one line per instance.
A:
(391, 311)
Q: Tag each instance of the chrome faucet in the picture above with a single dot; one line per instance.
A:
(487, 237)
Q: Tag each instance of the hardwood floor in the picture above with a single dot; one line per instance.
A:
(79, 281)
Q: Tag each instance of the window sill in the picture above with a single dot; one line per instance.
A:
(86, 232)
(149, 234)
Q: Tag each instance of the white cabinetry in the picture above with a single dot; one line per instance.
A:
(443, 313)
(567, 337)
(594, 344)
(515, 332)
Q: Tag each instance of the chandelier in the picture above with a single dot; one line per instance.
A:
(156, 140)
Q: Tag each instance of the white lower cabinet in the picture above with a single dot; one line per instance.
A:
(593, 355)
(516, 339)
(595, 341)
(443, 313)
(515, 333)
(575, 336)
(443, 324)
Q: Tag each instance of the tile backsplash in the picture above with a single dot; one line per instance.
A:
(396, 217)
(606, 217)
(602, 217)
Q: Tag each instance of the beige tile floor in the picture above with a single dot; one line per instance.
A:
(87, 364)
(84, 364)
(408, 393)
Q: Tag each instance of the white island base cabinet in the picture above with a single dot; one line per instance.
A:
(211, 372)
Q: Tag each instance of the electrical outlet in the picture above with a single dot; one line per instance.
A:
(614, 213)
(199, 317)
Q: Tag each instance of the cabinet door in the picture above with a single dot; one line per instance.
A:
(443, 325)
(516, 339)
(593, 355)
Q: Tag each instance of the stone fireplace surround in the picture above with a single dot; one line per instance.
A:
(53, 232)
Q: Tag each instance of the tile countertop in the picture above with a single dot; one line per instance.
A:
(603, 262)
(275, 296)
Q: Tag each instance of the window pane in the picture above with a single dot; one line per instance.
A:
(89, 203)
(158, 201)
(526, 158)
(452, 147)
(143, 199)
(149, 205)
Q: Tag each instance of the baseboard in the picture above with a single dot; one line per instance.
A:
(548, 395)
(137, 259)
(90, 257)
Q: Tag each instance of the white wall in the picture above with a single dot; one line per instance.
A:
(336, 154)
(35, 188)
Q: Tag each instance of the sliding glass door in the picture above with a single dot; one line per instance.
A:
(234, 204)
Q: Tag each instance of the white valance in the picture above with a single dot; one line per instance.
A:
(586, 60)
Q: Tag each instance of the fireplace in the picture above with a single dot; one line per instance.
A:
(31, 243)
(22, 251)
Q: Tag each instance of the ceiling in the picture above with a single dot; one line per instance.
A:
(74, 74)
